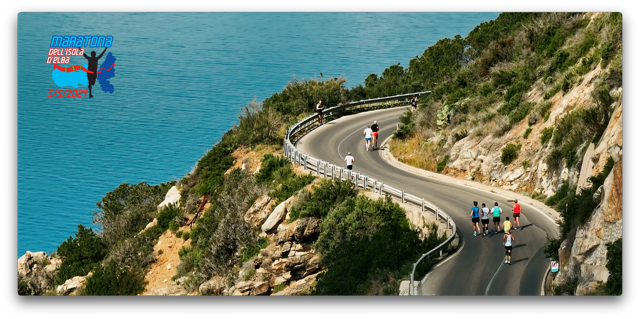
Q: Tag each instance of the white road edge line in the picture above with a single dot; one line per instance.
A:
(486, 292)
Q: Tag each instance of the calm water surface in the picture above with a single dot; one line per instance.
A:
(180, 81)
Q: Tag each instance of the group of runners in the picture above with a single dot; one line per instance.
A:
(478, 215)
(483, 214)
(370, 142)
(371, 136)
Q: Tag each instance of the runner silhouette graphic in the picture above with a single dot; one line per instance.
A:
(93, 67)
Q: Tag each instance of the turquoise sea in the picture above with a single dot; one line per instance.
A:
(180, 80)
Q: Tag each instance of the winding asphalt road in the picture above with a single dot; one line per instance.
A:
(478, 268)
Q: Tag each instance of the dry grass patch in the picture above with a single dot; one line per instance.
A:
(412, 151)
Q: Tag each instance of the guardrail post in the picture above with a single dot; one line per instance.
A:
(422, 205)
(325, 169)
(365, 182)
(318, 167)
(306, 158)
(381, 184)
(448, 222)
(341, 169)
(402, 196)
(437, 213)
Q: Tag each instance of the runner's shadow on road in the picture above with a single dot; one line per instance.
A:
(525, 226)
(521, 245)
(519, 260)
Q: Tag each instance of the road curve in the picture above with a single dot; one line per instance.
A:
(478, 269)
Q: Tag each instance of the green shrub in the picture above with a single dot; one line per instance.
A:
(503, 78)
(251, 251)
(510, 153)
(291, 186)
(173, 226)
(562, 193)
(526, 133)
(597, 117)
(179, 234)
(407, 129)
(80, 255)
(552, 247)
(327, 195)
(185, 236)
(567, 81)
(516, 91)
(555, 89)
(525, 164)
(554, 158)
(115, 280)
(167, 216)
(545, 135)
(589, 41)
(606, 52)
(521, 111)
(270, 164)
(585, 66)
(443, 163)
(485, 89)
(614, 266)
(211, 168)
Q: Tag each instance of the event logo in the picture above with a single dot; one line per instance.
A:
(61, 50)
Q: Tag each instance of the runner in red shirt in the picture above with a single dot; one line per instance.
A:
(516, 215)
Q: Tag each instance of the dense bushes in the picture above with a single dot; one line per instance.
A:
(221, 233)
(614, 265)
(127, 209)
(210, 169)
(80, 255)
(168, 215)
(301, 96)
(115, 280)
(407, 128)
(361, 239)
(324, 198)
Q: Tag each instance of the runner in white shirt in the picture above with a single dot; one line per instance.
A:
(349, 159)
(484, 212)
(367, 137)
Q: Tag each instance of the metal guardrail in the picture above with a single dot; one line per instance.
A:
(306, 125)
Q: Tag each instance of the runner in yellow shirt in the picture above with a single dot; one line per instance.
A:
(506, 226)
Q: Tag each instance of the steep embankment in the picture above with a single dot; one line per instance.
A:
(545, 121)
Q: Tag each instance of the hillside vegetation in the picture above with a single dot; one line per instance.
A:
(504, 80)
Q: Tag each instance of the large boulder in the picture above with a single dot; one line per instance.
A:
(72, 285)
(260, 288)
(276, 217)
(300, 287)
(301, 230)
(212, 287)
(36, 273)
(172, 197)
(258, 212)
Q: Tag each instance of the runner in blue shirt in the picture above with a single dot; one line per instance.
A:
(475, 218)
